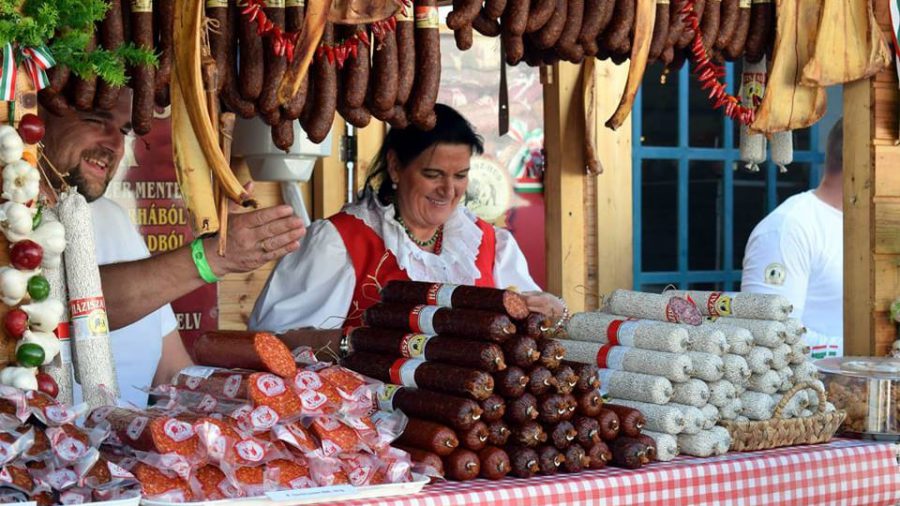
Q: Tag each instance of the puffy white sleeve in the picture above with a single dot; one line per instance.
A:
(311, 287)
(510, 267)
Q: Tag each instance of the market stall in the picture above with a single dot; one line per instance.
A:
(443, 385)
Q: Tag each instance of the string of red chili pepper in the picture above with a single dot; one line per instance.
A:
(284, 43)
(708, 73)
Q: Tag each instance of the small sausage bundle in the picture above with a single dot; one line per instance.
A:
(469, 323)
(409, 372)
(480, 355)
(258, 351)
(456, 296)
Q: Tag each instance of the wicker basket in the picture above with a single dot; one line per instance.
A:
(777, 431)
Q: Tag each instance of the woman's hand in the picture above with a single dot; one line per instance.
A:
(546, 304)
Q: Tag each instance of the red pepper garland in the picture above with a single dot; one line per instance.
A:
(285, 43)
(708, 73)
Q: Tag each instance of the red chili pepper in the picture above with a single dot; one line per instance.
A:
(363, 37)
(392, 23)
(329, 51)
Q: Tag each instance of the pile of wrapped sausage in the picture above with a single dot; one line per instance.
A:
(689, 375)
(49, 460)
(485, 392)
(547, 31)
(225, 432)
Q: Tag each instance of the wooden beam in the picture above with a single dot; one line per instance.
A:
(615, 252)
(564, 185)
(859, 219)
(330, 177)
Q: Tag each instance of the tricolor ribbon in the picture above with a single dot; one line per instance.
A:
(36, 60)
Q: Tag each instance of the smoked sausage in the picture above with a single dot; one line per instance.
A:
(259, 351)
(448, 379)
(470, 323)
(430, 436)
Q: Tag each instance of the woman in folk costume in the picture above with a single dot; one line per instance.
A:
(412, 227)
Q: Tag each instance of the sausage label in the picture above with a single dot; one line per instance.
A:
(440, 294)
(312, 400)
(141, 5)
(761, 1)
(232, 384)
(210, 4)
(275, 4)
(403, 14)
(249, 450)
(744, 4)
(610, 357)
(386, 395)
(403, 371)
(263, 418)
(270, 385)
(207, 404)
(427, 16)
(413, 345)
(295, 3)
(136, 427)
(621, 332)
(307, 380)
(178, 431)
(720, 303)
(421, 319)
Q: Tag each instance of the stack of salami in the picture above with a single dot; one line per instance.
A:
(251, 421)
(486, 394)
(687, 366)
(48, 460)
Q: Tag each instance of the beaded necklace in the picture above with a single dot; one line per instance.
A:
(435, 239)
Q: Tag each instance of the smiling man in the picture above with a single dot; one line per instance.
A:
(85, 149)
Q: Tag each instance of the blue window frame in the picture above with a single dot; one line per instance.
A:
(694, 206)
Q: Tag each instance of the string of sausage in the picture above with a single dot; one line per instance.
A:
(112, 35)
(142, 76)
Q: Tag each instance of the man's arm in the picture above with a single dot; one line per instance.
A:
(174, 358)
(135, 289)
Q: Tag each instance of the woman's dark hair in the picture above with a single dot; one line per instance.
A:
(410, 142)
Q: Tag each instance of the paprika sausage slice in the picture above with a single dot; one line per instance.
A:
(259, 351)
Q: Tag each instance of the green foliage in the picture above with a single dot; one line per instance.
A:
(66, 27)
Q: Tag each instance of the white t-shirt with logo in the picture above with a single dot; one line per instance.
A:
(137, 348)
(797, 251)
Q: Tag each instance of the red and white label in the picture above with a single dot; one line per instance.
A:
(305, 380)
(58, 413)
(621, 332)
(270, 385)
(403, 371)
(413, 345)
(117, 472)
(263, 418)
(312, 400)
(232, 385)
(61, 478)
(359, 475)
(328, 423)
(441, 294)
(136, 427)
(5, 477)
(421, 319)
(207, 404)
(71, 449)
(86, 306)
(177, 430)
(329, 448)
(193, 382)
(100, 414)
(250, 450)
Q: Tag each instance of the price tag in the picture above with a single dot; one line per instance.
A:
(306, 493)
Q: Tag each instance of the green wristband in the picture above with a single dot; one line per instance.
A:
(199, 256)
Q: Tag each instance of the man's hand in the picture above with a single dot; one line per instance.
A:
(256, 238)
(545, 303)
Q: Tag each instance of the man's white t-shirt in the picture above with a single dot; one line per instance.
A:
(137, 348)
(798, 251)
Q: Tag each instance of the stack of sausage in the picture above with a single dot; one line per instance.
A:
(268, 425)
(547, 31)
(49, 460)
(486, 394)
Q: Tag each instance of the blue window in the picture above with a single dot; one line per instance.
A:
(694, 202)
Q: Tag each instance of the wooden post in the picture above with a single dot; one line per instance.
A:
(614, 221)
(564, 185)
(330, 177)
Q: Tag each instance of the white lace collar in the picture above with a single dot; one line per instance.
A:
(459, 249)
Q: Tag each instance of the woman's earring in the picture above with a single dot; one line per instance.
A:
(393, 185)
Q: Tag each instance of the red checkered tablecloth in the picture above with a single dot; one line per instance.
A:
(840, 472)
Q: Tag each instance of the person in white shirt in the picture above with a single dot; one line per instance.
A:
(85, 149)
(797, 251)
